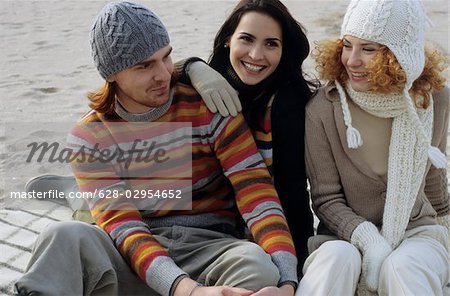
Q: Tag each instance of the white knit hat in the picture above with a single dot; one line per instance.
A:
(399, 25)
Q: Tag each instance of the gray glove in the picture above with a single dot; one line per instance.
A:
(375, 250)
(215, 90)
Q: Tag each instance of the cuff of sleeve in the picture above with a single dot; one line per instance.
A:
(182, 68)
(366, 233)
(293, 284)
(176, 282)
(287, 266)
(162, 274)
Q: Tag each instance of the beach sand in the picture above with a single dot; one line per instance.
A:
(46, 70)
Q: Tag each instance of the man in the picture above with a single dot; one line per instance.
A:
(162, 250)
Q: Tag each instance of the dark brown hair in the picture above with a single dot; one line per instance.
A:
(295, 44)
(295, 50)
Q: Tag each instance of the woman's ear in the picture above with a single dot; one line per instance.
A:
(227, 42)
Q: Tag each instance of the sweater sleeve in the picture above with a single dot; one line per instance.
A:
(120, 217)
(182, 66)
(327, 193)
(255, 194)
(436, 184)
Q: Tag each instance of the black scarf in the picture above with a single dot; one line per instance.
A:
(254, 98)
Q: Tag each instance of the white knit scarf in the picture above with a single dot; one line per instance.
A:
(407, 154)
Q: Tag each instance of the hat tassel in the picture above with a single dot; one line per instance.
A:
(354, 139)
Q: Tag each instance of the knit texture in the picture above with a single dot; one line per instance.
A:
(407, 158)
(263, 138)
(281, 151)
(399, 25)
(444, 221)
(345, 190)
(228, 175)
(123, 35)
(375, 250)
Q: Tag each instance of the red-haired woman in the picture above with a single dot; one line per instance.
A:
(375, 137)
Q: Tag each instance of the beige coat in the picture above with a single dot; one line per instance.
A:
(345, 191)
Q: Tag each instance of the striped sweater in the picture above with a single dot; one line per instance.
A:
(263, 137)
(227, 177)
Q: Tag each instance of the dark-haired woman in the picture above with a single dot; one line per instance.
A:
(260, 50)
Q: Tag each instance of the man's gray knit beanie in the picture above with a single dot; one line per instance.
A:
(123, 35)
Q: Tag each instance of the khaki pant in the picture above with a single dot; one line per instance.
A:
(76, 258)
(418, 266)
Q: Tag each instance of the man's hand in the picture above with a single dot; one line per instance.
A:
(215, 90)
(286, 290)
(190, 287)
(221, 291)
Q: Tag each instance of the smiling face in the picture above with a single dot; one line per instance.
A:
(255, 47)
(356, 56)
(146, 85)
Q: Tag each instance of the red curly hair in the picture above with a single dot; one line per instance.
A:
(384, 72)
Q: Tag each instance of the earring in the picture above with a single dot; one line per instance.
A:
(226, 45)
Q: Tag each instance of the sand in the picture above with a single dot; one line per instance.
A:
(46, 70)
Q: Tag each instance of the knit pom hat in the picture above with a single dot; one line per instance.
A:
(399, 25)
(123, 35)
